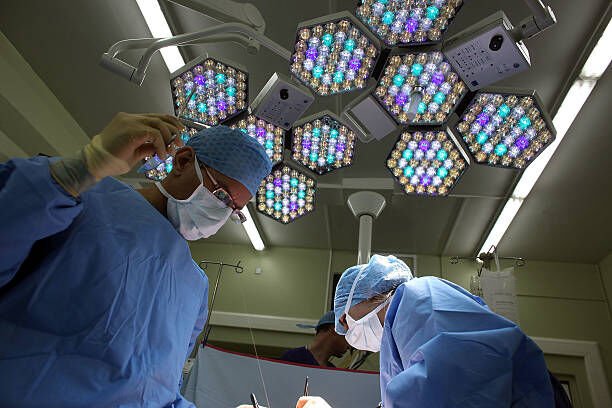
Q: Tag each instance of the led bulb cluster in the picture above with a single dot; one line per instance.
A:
(333, 57)
(427, 73)
(271, 137)
(210, 92)
(286, 194)
(505, 129)
(428, 163)
(408, 22)
(157, 169)
(323, 144)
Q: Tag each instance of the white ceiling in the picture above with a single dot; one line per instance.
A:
(566, 217)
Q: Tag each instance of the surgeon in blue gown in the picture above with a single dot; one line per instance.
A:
(100, 300)
(440, 346)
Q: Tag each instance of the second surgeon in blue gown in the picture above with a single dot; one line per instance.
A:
(440, 346)
(100, 300)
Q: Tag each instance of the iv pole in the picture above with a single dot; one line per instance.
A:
(204, 264)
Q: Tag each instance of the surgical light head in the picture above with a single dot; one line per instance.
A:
(427, 163)
(208, 92)
(506, 128)
(408, 22)
(334, 54)
(286, 194)
(420, 88)
(323, 143)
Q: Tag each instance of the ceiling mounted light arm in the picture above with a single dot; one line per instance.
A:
(226, 31)
(227, 11)
(543, 17)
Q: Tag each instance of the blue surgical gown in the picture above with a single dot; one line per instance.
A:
(100, 300)
(443, 347)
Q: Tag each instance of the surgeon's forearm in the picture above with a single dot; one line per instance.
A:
(72, 175)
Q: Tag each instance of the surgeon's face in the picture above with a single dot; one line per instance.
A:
(183, 180)
(361, 309)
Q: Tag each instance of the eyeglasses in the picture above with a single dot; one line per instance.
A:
(225, 197)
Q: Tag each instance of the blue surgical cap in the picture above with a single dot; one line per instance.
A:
(327, 318)
(231, 152)
(380, 275)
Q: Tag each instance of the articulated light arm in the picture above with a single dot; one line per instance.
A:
(227, 11)
(237, 32)
(543, 17)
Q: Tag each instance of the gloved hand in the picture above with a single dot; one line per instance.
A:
(126, 140)
(312, 402)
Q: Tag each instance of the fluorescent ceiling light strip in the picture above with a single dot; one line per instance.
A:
(574, 100)
(600, 57)
(251, 230)
(158, 25)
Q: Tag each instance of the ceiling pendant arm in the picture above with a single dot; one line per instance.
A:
(137, 74)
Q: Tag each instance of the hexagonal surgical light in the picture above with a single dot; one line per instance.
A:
(334, 54)
(506, 128)
(207, 91)
(155, 168)
(286, 194)
(427, 74)
(322, 143)
(408, 22)
(427, 163)
(271, 137)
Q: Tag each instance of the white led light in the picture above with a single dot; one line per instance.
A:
(252, 232)
(156, 21)
(600, 57)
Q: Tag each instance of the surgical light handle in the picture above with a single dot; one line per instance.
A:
(226, 31)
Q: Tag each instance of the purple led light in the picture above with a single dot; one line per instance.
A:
(411, 25)
(522, 143)
(306, 144)
(200, 80)
(260, 132)
(278, 182)
(340, 147)
(221, 105)
(437, 78)
(483, 119)
(312, 53)
(293, 206)
(424, 145)
(355, 64)
(401, 99)
(425, 180)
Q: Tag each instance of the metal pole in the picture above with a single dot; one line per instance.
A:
(207, 326)
(365, 239)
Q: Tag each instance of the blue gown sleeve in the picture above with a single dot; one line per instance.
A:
(33, 207)
(444, 373)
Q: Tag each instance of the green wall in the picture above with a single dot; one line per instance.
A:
(558, 300)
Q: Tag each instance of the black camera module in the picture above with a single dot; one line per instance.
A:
(284, 94)
(496, 42)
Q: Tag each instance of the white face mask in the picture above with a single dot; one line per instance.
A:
(199, 216)
(365, 333)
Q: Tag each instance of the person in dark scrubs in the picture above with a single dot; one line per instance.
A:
(326, 344)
